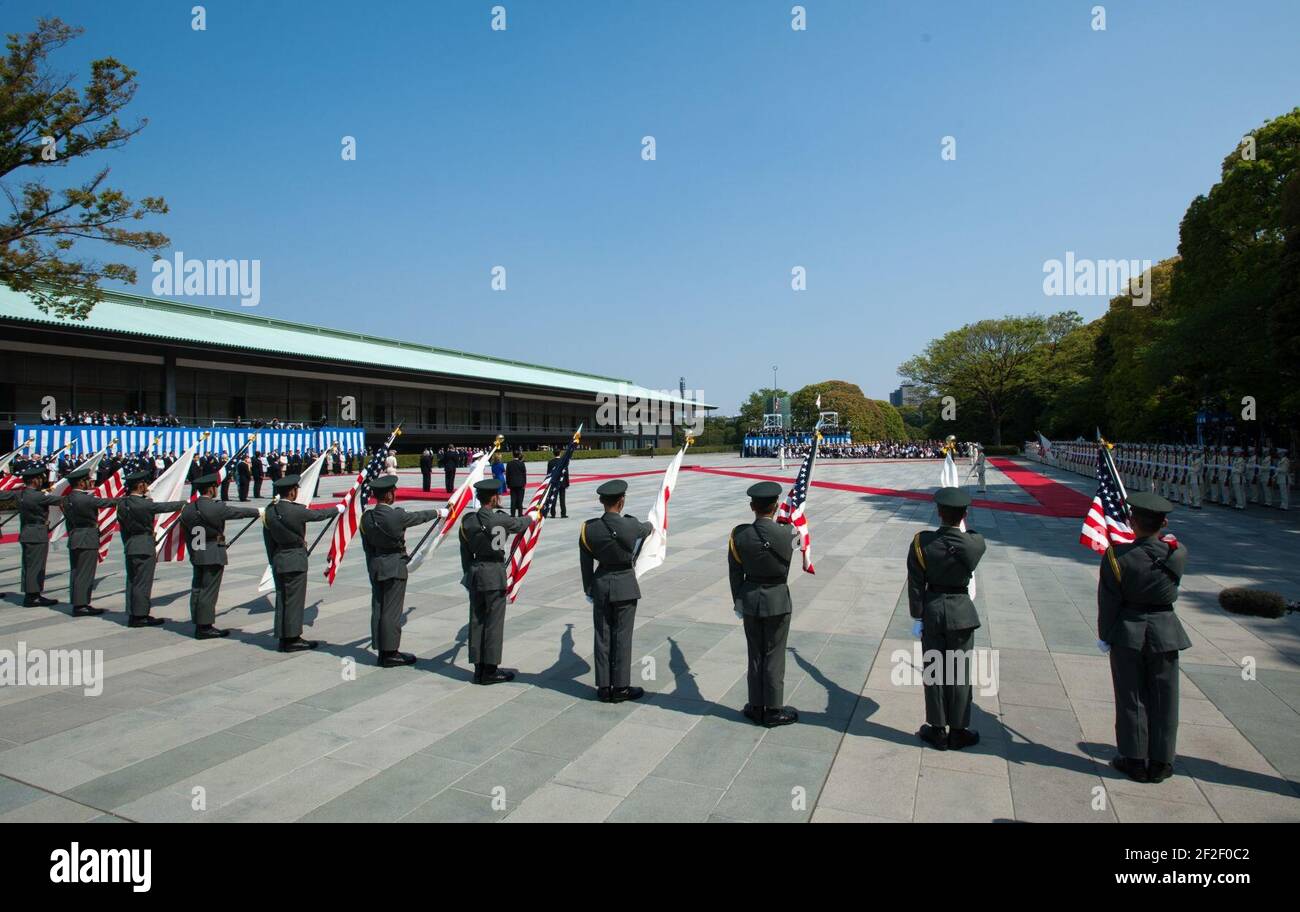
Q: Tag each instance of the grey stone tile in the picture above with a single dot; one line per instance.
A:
(657, 800)
(392, 793)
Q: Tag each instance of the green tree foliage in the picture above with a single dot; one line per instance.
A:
(862, 416)
(37, 239)
(758, 404)
(894, 427)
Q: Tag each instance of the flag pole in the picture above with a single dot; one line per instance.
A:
(112, 443)
(496, 446)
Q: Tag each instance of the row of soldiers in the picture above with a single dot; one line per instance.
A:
(1191, 475)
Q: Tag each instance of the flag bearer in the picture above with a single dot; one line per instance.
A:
(33, 532)
(81, 512)
(284, 532)
(204, 523)
(135, 519)
(484, 538)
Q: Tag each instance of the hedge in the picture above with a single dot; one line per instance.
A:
(1003, 450)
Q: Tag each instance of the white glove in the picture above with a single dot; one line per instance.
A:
(443, 513)
(916, 629)
(339, 508)
(1104, 647)
(590, 600)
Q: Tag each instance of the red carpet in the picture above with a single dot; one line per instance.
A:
(8, 539)
(1059, 499)
(440, 495)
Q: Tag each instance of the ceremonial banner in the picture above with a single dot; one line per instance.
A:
(171, 540)
(11, 481)
(948, 479)
(306, 490)
(456, 506)
(354, 504)
(654, 550)
(106, 518)
(521, 551)
(58, 528)
(792, 513)
(1107, 522)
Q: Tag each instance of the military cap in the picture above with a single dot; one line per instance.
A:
(487, 488)
(78, 474)
(136, 477)
(33, 471)
(206, 481)
(614, 488)
(291, 481)
(954, 498)
(379, 485)
(764, 490)
(1150, 503)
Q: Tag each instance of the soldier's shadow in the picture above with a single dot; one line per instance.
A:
(1203, 769)
(444, 663)
(562, 675)
(840, 708)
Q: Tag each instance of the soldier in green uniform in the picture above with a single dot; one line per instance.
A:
(135, 520)
(940, 564)
(607, 548)
(81, 513)
(1137, 626)
(484, 538)
(284, 532)
(383, 537)
(34, 532)
(204, 523)
(758, 564)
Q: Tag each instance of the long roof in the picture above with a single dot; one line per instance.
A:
(156, 318)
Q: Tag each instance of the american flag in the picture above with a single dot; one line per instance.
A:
(1107, 521)
(354, 504)
(791, 512)
(112, 488)
(521, 550)
(10, 481)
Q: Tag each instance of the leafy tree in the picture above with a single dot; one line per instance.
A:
(42, 115)
(859, 414)
(758, 404)
(894, 427)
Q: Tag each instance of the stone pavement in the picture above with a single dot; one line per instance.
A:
(232, 730)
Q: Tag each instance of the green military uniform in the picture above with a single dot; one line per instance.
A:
(284, 532)
(33, 535)
(607, 548)
(484, 538)
(758, 565)
(383, 537)
(208, 551)
(940, 564)
(135, 521)
(81, 513)
(1137, 625)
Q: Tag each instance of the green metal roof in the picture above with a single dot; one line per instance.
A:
(156, 318)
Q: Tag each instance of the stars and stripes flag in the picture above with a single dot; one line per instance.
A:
(106, 518)
(170, 485)
(654, 550)
(171, 544)
(59, 528)
(354, 504)
(456, 506)
(791, 512)
(12, 481)
(521, 549)
(1107, 522)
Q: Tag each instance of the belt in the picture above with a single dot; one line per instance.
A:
(611, 568)
(947, 590)
(1145, 609)
(766, 580)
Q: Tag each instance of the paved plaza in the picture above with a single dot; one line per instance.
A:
(231, 730)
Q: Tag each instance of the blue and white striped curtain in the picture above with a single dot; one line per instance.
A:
(773, 441)
(88, 439)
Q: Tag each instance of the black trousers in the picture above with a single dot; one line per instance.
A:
(765, 637)
(1146, 703)
(205, 588)
(290, 602)
(426, 478)
(82, 564)
(948, 700)
(139, 583)
(516, 501)
(243, 489)
(613, 659)
(487, 626)
(387, 601)
(450, 478)
(257, 485)
(564, 507)
(35, 554)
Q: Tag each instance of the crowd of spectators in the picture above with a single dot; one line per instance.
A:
(114, 419)
(871, 449)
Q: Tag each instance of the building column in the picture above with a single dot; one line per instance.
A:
(169, 384)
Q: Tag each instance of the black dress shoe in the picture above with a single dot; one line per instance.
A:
(491, 674)
(145, 620)
(44, 602)
(602, 693)
(1159, 772)
(935, 737)
(395, 659)
(753, 713)
(297, 644)
(962, 737)
(623, 694)
(782, 715)
(208, 632)
(86, 611)
(1134, 769)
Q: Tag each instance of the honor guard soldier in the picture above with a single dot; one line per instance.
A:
(135, 519)
(1238, 478)
(1137, 627)
(980, 467)
(1195, 477)
(940, 564)
(204, 523)
(383, 537)
(81, 513)
(758, 564)
(1252, 476)
(34, 532)
(483, 541)
(284, 531)
(607, 548)
(1283, 480)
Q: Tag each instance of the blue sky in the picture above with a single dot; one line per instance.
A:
(775, 149)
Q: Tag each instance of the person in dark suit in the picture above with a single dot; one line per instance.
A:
(940, 564)
(758, 564)
(517, 481)
(484, 538)
(135, 520)
(258, 470)
(561, 483)
(426, 468)
(81, 513)
(244, 471)
(230, 476)
(204, 523)
(1137, 627)
(273, 469)
(607, 548)
(34, 532)
(383, 537)
(450, 462)
(284, 532)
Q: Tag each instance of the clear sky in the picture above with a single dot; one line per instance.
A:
(775, 149)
